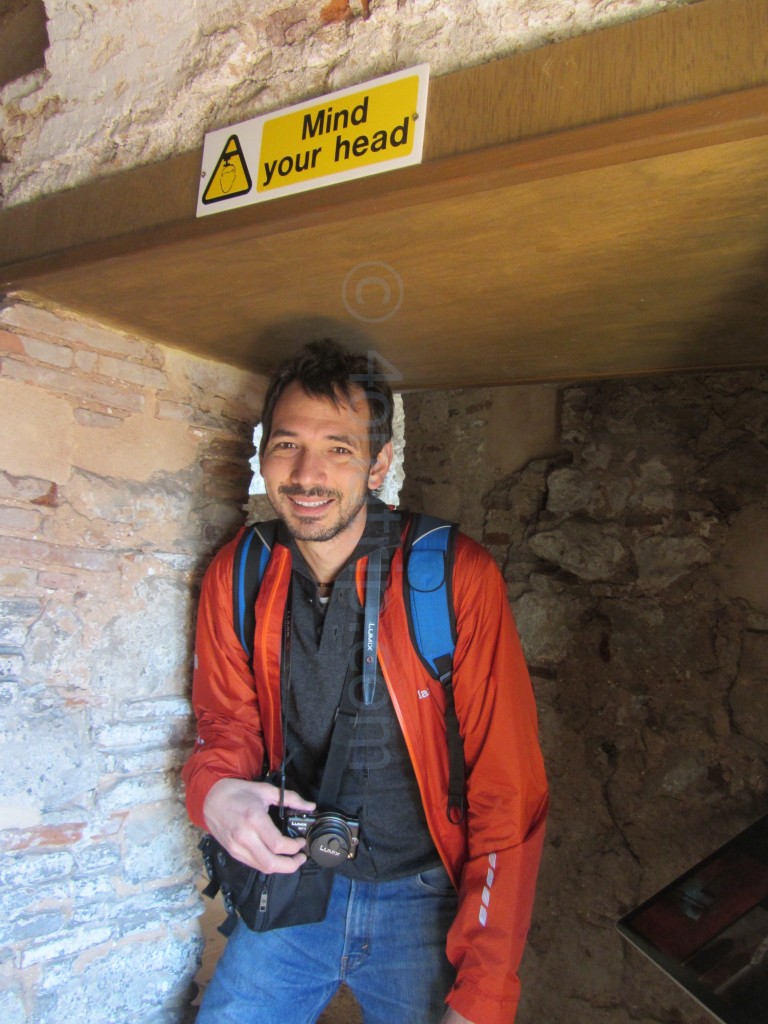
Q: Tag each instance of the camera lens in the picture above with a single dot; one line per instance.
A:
(329, 841)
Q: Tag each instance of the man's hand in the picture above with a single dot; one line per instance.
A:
(236, 813)
(452, 1017)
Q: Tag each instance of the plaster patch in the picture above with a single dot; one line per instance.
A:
(36, 433)
(21, 814)
(140, 446)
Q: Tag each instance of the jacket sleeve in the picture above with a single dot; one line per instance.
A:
(229, 736)
(507, 796)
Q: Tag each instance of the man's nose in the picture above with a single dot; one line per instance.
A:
(308, 469)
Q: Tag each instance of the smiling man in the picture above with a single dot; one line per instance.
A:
(424, 907)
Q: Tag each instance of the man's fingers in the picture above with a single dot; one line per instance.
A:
(266, 848)
(285, 865)
(287, 856)
(295, 802)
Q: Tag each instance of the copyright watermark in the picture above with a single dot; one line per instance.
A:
(372, 292)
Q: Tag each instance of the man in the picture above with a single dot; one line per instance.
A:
(434, 909)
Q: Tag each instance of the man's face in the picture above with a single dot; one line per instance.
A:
(317, 466)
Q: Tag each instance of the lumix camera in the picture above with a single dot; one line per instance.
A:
(331, 837)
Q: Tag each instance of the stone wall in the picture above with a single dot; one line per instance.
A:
(123, 466)
(629, 518)
(635, 547)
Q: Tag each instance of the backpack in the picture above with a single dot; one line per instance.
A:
(428, 566)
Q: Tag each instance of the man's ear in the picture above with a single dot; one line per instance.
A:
(380, 467)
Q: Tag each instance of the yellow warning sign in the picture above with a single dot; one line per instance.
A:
(361, 130)
(367, 127)
(231, 177)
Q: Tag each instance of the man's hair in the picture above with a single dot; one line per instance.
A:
(325, 369)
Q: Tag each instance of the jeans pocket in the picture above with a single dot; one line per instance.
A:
(435, 880)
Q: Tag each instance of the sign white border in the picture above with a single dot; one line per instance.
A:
(249, 135)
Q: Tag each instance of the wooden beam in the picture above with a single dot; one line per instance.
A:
(700, 50)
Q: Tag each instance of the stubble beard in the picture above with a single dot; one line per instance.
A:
(308, 531)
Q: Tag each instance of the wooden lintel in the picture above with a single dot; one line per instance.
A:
(706, 49)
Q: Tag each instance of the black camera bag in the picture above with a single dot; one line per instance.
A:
(265, 901)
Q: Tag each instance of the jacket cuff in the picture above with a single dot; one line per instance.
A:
(473, 1004)
(197, 786)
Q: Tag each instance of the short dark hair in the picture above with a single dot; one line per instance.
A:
(325, 369)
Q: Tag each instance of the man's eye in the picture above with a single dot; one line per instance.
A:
(341, 451)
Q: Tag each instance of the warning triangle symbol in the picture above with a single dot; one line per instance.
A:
(231, 177)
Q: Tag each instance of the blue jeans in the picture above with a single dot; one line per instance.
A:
(386, 940)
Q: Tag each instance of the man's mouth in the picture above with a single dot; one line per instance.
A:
(307, 503)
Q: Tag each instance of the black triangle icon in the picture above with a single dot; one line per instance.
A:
(231, 177)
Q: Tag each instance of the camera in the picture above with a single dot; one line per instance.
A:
(331, 837)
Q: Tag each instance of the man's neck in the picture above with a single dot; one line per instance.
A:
(325, 558)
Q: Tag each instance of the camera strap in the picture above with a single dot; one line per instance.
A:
(348, 711)
(373, 588)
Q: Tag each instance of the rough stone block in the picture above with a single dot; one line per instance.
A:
(19, 609)
(9, 694)
(12, 1010)
(39, 552)
(21, 929)
(133, 980)
(11, 666)
(143, 789)
(18, 580)
(139, 735)
(19, 520)
(49, 762)
(133, 373)
(33, 869)
(589, 551)
(662, 560)
(64, 945)
(48, 352)
(108, 395)
(163, 855)
(128, 658)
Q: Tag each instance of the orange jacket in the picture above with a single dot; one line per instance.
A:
(493, 856)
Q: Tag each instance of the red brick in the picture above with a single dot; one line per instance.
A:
(42, 836)
(10, 342)
(335, 10)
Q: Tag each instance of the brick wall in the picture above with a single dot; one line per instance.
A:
(123, 465)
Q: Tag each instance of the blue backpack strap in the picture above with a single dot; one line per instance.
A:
(252, 556)
(427, 589)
